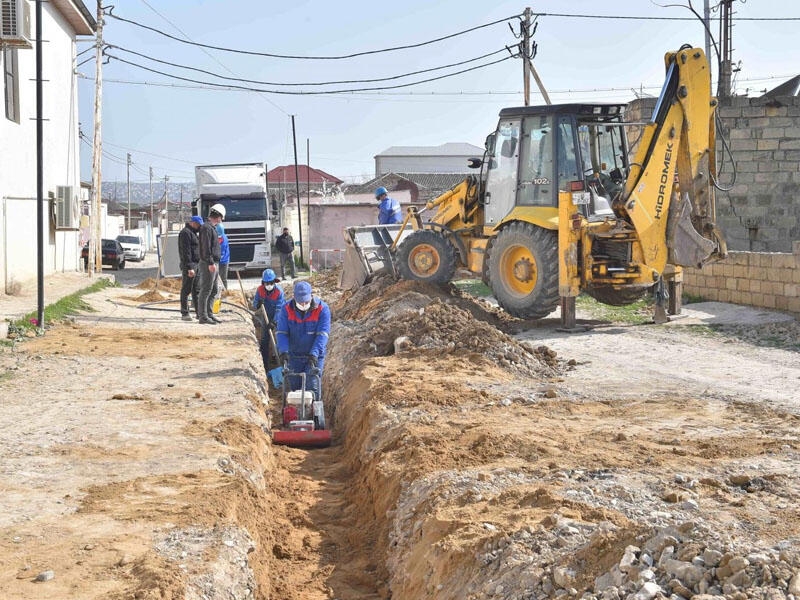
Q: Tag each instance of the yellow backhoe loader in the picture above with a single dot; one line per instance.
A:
(558, 209)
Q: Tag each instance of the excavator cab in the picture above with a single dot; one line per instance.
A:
(538, 151)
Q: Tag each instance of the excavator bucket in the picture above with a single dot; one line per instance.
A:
(369, 252)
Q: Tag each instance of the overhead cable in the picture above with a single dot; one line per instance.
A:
(635, 18)
(301, 57)
(306, 93)
(309, 83)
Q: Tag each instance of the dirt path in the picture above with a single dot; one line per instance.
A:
(467, 462)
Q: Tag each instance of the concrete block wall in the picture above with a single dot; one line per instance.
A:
(761, 212)
(762, 279)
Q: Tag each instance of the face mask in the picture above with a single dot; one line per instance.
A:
(269, 286)
(304, 306)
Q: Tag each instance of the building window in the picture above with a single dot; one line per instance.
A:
(11, 83)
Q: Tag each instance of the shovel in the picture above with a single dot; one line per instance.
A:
(276, 374)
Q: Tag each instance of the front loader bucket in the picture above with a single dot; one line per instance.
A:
(319, 438)
(369, 252)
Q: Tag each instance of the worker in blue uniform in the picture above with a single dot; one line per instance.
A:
(303, 327)
(388, 208)
(269, 295)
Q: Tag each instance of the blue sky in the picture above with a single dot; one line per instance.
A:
(172, 128)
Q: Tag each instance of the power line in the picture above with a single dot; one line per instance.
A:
(418, 94)
(291, 56)
(641, 18)
(189, 162)
(306, 93)
(313, 83)
(211, 56)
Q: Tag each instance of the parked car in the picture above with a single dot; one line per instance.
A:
(113, 255)
(133, 246)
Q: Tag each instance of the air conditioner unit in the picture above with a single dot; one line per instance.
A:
(15, 24)
(66, 208)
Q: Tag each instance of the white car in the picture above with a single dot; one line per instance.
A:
(133, 247)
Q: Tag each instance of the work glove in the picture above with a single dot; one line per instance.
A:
(284, 360)
(312, 361)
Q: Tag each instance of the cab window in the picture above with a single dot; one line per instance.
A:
(536, 163)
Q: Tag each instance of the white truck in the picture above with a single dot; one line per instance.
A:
(242, 190)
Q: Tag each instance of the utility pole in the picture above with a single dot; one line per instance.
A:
(308, 183)
(166, 207)
(526, 58)
(726, 35)
(707, 21)
(297, 191)
(39, 173)
(129, 192)
(95, 246)
(152, 223)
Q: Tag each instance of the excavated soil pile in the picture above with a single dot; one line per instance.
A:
(165, 284)
(416, 319)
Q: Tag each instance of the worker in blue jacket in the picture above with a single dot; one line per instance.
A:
(225, 254)
(269, 295)
(304, 325)
(388, 208)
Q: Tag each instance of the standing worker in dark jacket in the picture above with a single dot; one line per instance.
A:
(389, 209)
(209, 259)
(189, 253)
(303, 328)
(285, 245)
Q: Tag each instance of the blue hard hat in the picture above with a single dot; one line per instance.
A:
(268, 276)
(197, 219)
(380, 192)
(302, 291)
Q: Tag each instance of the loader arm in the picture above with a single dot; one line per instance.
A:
(674, 219)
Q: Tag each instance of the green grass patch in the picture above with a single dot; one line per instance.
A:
(58, 311)
(691, 298)
(473, 287)
(637, 313)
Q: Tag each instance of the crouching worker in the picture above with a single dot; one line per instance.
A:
(270, 296)
(303, 327)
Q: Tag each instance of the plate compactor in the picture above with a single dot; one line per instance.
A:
(302, 415)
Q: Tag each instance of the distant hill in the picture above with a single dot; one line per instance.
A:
(116, 193)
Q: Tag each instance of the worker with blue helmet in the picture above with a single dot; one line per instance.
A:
(389, 211)
(269, 295)
(304, 324)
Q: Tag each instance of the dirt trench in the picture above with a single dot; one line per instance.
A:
(465, 464)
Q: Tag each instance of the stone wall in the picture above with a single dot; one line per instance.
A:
(763, 279)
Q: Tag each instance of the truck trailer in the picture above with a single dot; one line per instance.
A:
(242, 190)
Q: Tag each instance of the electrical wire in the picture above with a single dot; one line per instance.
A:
(313, 83)
(299, 57)
(269, 101)
(188, 162)
(306, 93)
(625, 90)
(635, 18)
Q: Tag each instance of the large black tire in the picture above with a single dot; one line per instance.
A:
(426, 255)
(523, 270)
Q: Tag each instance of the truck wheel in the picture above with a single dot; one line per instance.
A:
(426, 255)
(523, 270)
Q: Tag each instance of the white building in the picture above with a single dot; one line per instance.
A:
(62, 22)
(446, 158)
